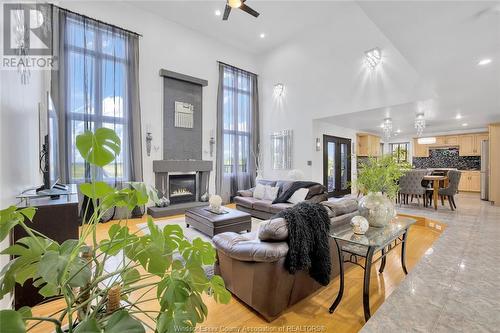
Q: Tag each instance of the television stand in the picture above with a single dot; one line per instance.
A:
(54, 193)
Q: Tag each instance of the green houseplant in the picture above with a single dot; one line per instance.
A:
(161, 267)
(378, 181)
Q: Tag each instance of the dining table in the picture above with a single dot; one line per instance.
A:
(436, 180)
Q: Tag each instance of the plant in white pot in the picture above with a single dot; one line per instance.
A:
(378, 181)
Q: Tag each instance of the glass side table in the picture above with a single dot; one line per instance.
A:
(383, 239)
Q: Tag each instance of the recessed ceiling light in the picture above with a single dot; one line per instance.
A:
(398, 131)
(218, 13)
(465, 124)
(484, 62)
(458, 116)
(262, 35)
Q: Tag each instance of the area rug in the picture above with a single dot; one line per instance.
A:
(190, 233)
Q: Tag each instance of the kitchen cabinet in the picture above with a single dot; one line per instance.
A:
(420, 150)
(466, 145)
(470, 181)
(470, 144)
(494, 179)
(477, 142)
(368, 145)
(451, 140)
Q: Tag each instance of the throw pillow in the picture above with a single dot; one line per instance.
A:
(259, 192)
(273, 230)
(271, 193)
(298, 196)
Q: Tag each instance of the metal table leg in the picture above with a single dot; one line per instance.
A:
(382, 264)
(366, 282)
(403, 252)
(341, 288)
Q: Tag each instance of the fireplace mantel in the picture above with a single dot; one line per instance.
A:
(161, 166)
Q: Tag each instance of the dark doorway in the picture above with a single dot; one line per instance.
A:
(337, 165)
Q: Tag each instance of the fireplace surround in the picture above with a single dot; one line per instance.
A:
(183, 182)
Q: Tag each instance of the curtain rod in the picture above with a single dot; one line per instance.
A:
(98, 21)
(241, 69)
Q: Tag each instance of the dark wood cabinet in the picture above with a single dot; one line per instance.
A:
(57, 219)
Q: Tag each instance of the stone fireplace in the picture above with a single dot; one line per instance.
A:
(182, 188)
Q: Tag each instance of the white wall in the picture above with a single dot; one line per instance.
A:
(320, 128)
(167, 45)
(19, 142)
(323, 74)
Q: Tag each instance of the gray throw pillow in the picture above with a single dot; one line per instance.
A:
(273, 230)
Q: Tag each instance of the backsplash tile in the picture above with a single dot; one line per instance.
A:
(447, 158)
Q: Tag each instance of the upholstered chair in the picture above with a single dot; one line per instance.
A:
(452, 189)
(410, 186)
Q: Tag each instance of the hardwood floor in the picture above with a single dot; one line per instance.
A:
(312, 311)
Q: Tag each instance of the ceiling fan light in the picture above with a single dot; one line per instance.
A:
(234, 3)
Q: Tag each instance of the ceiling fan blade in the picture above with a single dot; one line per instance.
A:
(227, 11)
(249, 10)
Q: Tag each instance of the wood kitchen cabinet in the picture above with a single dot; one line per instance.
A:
(466, 144)
(420, 150)
(470, 144)
(477, 142)
(451, 140)
(470, 181)
(368, 145)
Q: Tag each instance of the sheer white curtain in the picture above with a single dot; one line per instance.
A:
(96, 85)
(237, 130)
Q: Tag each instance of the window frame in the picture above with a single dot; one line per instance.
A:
(399, 146)
(236, 134)
(96, 119)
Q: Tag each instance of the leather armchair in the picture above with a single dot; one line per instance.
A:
(253, 269)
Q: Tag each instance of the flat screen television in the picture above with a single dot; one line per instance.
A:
(49, 160)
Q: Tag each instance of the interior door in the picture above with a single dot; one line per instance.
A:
(337, 165)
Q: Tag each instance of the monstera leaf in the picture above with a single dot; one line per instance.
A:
(10, 217)
(100, 147)
(12, 322)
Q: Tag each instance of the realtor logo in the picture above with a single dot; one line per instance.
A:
(27, 27)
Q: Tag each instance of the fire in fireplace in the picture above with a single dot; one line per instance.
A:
(182, 188)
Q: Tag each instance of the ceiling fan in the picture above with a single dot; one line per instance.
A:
(235, 4)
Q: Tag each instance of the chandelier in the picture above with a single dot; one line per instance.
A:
(420, 123)
(387, 127)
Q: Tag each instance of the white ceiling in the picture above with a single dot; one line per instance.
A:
(443, 41)
(279, 20)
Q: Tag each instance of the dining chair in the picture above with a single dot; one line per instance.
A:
(452, 188)
(410, 186)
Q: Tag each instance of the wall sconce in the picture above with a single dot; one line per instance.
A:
(318, 144)
(279, 89)
(212, 142)
(149, 138)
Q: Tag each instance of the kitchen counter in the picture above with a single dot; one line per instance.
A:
(454, 287)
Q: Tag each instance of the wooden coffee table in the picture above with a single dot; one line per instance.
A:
(212, 224)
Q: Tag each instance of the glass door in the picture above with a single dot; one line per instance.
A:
(337, 165)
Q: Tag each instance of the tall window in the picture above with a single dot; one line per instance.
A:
(400, 151)
(237, 130)
(96, 93)
(236, 124)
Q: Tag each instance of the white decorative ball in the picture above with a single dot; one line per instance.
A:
(215, 202)
(360, 225)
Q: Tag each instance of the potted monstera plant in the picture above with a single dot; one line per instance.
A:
(161, 268)
(378, 181)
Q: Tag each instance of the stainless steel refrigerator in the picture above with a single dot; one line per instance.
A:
(485, 169)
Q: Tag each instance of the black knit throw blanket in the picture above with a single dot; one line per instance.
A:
(309, 246)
